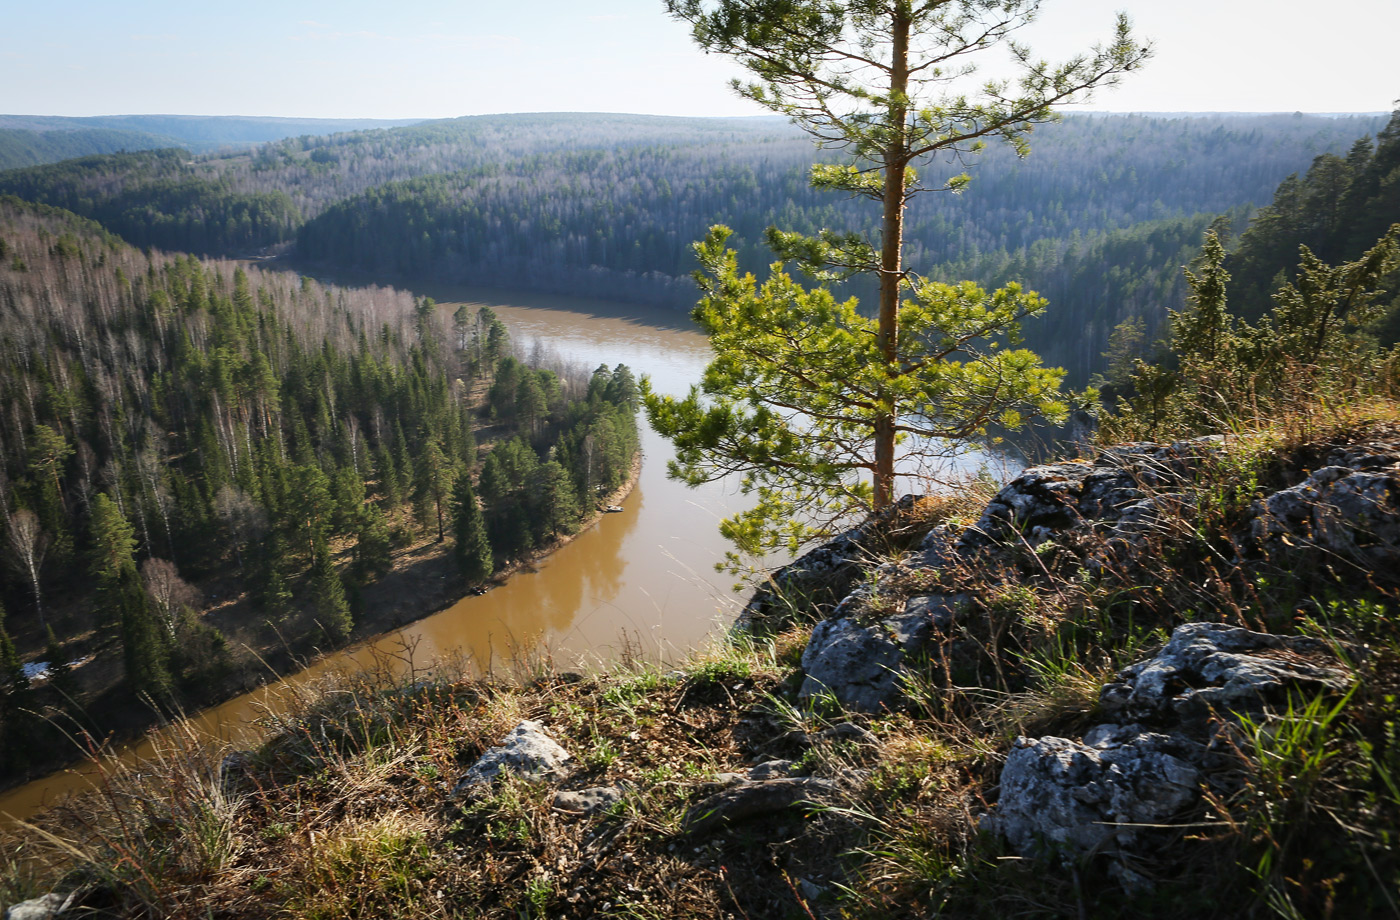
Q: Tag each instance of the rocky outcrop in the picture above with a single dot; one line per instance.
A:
(1108, 493)
(1108, 509)
(1347, 508)
(1115, 791)
(863, 663)
(823, 576)
(1211, 667)
(1169, 724)
(1104, 794)
(526, 752)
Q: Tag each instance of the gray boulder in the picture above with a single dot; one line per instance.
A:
(938, 549)
(1211, 666)
(757, 799)
(47, 907)
(863, 663)
(588, 801)
(1045, 500)
(824, 575)
(772, 769)
(1111, 791)
(1065, 797)
(526, 752)
(1347, 510)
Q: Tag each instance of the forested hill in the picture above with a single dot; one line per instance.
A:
(27, 140)
(20, 148)
(607, 205)
(166, 420)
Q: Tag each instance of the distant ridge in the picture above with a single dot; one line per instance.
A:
(200, 133)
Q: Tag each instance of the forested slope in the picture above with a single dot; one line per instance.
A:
(1098, 217)
(1338, 209)
(35, 139)
(167, 421)
(20, 147)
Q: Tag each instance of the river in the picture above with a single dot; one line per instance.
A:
(643, 579)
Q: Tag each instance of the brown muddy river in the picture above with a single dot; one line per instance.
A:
(643, 579)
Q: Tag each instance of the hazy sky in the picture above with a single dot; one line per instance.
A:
(433, 59)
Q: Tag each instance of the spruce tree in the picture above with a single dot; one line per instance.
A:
(373, 549)
(122, 598)
(11, 670)
(17, 720)
(332, 609)
(473, 550)
(274, 594)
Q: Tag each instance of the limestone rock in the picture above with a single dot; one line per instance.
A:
(772, 769)
(749, 800)
(1213, 666)
(588, 801)
(47, 907)
(1045, 500)
(526, 752)
(824, 575)
(850, 733)
(938, 549)
(1073, 797)
(1347, 508)
(1102, 793)
(862, 663)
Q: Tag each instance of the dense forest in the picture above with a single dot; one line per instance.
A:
(1099, 217)
(29, 140)
(169, 422)
(19, 147)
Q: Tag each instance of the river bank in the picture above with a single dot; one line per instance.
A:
(423, 581)
(1053, 695)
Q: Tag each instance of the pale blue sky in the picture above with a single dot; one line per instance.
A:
(433, 59)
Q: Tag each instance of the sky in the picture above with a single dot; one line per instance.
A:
(435, 59)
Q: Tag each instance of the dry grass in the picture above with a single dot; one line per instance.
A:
(344, 811)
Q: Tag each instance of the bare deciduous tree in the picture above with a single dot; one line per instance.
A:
(170, 593)
(30, 543)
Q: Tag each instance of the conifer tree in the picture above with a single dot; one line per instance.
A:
(332, 609)
(436, 474)
(807, 398)
(373, 547)
(11, 670)
(473, 548)
(122, 598)
(274, 594)
(17, 721)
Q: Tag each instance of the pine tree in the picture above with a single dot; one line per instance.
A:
(555, 504)
(807, 396)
